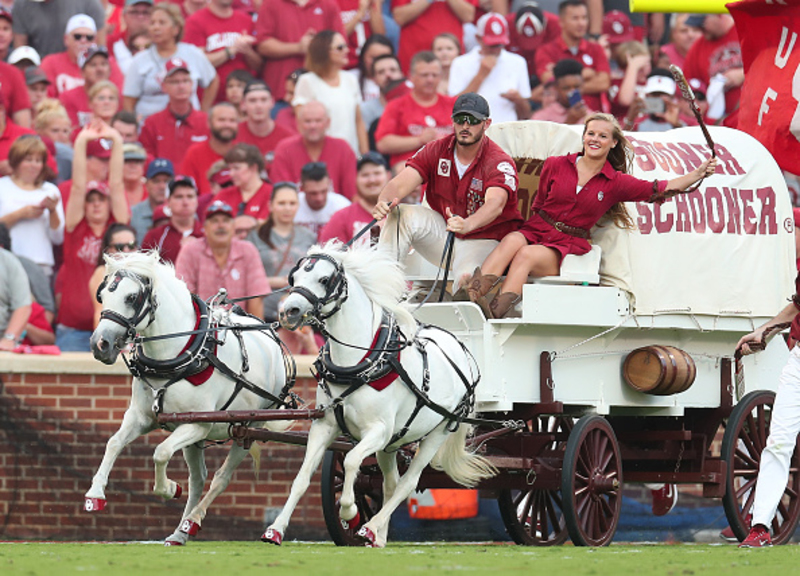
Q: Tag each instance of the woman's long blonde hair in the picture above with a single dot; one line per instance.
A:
(621, 159)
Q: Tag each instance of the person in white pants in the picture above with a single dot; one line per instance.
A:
(471, 191)
(773, 472)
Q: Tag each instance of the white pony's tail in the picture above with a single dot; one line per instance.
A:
(464, 467)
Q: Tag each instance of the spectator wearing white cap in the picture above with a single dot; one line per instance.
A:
(659, 106)
(41, 23)
(143, 91)
(64, 69)
(530, 27)
(493, 72)
(23, 57)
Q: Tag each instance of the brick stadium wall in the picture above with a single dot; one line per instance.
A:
(56, 414)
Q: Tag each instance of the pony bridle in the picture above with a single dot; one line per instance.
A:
(144, 304)
(335, 287)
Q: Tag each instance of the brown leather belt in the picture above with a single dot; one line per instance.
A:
(565, 228)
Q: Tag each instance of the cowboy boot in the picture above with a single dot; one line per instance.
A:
(480, 284)
(463, 293)
(504, 305)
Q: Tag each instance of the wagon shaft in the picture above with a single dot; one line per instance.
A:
(239, 416)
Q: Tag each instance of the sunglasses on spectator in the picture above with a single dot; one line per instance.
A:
(126, 247)
(340, 47)
(466, 119)
(139, 13)
(79, 37)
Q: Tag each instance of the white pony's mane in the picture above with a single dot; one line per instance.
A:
(147, 264)
(380, 275)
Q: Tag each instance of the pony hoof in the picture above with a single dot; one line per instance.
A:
(351, 524)
(272, 536)
(172, 543)
(368, 536)
(190, 527)
(94, 504)
(178, 492)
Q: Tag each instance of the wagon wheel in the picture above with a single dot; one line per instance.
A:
(745, 437)
(368, 501)
(591, 482)
(535, 517)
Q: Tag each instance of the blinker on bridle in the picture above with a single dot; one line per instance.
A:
(144, 303)
(335, 287)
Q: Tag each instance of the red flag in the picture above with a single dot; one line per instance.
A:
(769, 33)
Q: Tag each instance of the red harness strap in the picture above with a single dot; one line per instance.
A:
(384, 381)
(206, 373)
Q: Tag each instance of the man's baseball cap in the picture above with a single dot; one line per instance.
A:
(25, 53)
(6, 14)
(473, 104)
(696, 20)
(698, 86)
(80, 21)
(174, 65)
(94, 50)
(100, 148)
(95, 186)
(371, 158)
(255, 85)
(493, 29)
(161, 212)
(660, 81)
(219, 207)
(133, 151)
(617, 26)
(530, 21)
(160, 166)
(182, 180)
(34, 75)
(134, 2)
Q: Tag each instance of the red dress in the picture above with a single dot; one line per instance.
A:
(557, 197)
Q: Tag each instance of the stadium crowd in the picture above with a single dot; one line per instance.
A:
(231, 135)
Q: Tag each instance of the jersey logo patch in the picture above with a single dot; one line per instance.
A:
(506, 168)
(600, 195)
(444, 168)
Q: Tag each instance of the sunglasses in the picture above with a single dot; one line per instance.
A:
(340, 47)
(466, 119)
(79, 37)
(126, 247)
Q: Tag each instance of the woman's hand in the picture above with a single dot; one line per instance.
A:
(756, 336)
(30, 212)
(49, 203)
(706, 169)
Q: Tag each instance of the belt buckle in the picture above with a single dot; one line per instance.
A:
(559, 226)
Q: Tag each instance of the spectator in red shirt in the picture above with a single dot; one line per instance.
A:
(471, 191)
(37, 83)
(259, 129)
(284, 30)
(127, 125)
(249, 195)
(226, 37)
(64, 68)
(219, 260)
(95, 67)
(13, 92)
(98, 155)
(420, 21)
(9, 132)
(363, 20)
(682, 37)
(171, 132)
(92, 206)
(6, 33)
(531, 28)
(716, 59)
(413, 120)
(234, 88)
(103, 102)
(223, 124)
(183, 226)
(574, 19)
(312, 145)
(372, 176)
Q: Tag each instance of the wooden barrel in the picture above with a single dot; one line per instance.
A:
(659, 370)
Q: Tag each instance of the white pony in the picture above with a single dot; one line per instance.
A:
(355, 294)
(142, 295)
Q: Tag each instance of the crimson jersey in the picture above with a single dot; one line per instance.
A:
(13, 89)
(403, 116)
(360, 33)
(418, 34)
(590, 54)
(165, 136)
(81, 248)
(257, 206)
(287, 22)
(492, 167)
(211, 33)
(267, 144)
(196, 162)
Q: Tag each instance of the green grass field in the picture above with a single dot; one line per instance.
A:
(239, 558)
